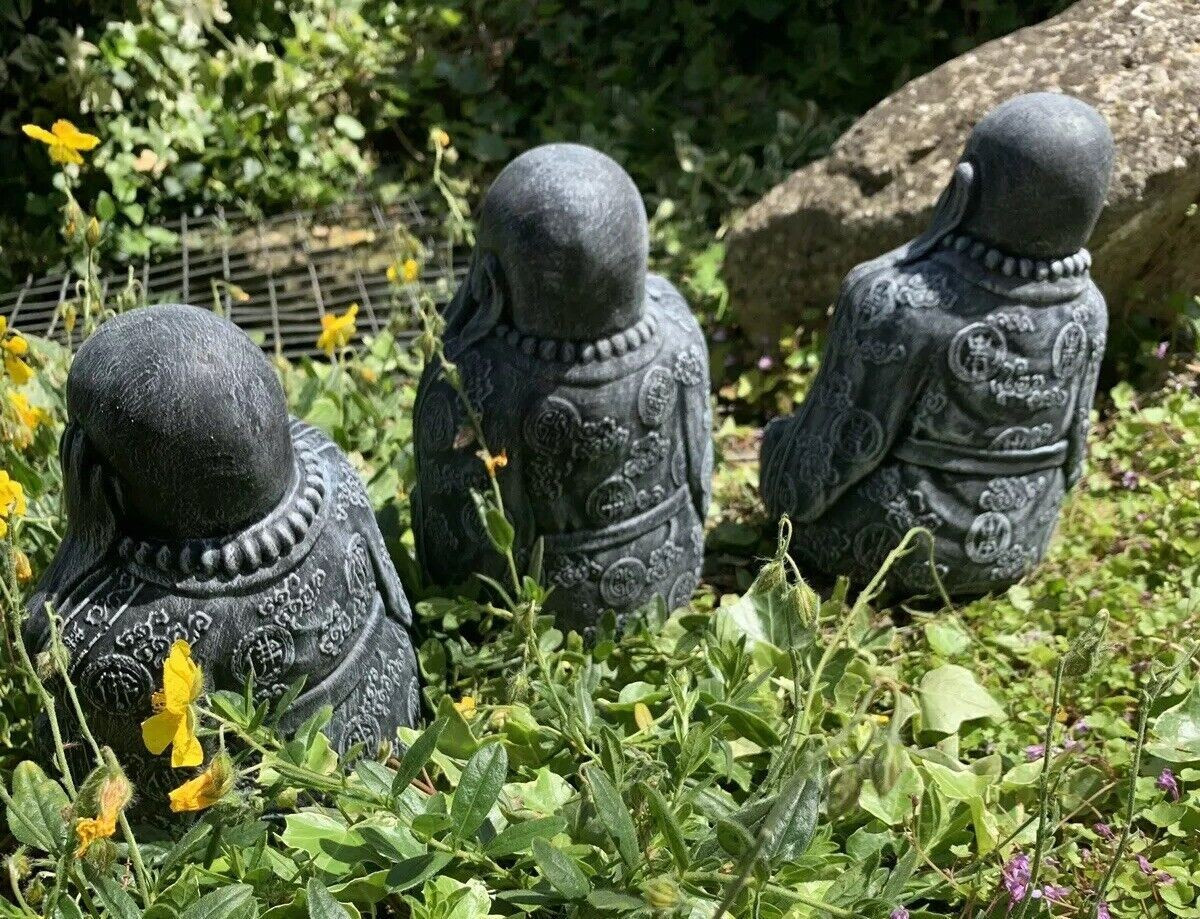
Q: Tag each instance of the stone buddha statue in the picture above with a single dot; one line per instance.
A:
(591, 375)
(960, 369)
(198, 510)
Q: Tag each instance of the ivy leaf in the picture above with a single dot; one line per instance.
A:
(478, 788)
(951, 696)
(1176, 731)
(560, 870)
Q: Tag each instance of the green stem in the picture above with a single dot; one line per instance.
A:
(717, 877)
(1044, 787)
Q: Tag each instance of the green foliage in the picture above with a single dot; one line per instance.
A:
(265, 103)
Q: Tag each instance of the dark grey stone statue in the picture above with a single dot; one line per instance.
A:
(955, 387)
(197, 509)
(592, 375)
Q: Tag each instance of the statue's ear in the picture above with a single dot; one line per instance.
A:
(478, 305)
(948, 213)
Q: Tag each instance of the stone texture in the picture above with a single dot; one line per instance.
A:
(1137, 61)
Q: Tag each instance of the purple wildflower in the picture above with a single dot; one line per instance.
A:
(1055, 893)
(1161, 877)
(1102, 911)
(1130, 479)
(1166, 782)
(1104, 831)
(1161, 351)
(1015, 877)
(1080, 727)
(765, 362)
(720, 333)
(899, 913)
(1035, 752)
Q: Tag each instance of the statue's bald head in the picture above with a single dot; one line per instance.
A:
(189, 418)
(567, 228)
(1042, 163)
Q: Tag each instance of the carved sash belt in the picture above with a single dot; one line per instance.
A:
(619, 533)
(953, 458)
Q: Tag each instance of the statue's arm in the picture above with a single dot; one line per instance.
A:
(1077, 435)
(859, 403)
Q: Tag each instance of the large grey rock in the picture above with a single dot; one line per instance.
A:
(1137, 61)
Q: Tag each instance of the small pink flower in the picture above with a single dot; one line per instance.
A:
(1102, 911)
(1161, 351)
(1055, 893)
(899, 913)
(1130, 479)
(765, 362)
(1035, 752)
(1015, 877)
(1104, 831)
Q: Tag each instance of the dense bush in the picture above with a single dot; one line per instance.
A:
(268, 103)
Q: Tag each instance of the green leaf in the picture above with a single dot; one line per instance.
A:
(612, 901)
(416, 756)
(478, 788)
(106, 208)
(951, 696)
(792, 820)
(112, 895)
(748, 724)
(560, 870)
(1176, 732)
(350, 126)
(233, 902)
(374, 887)
(324, 414)
(457, 739)
(519, 837)
(614, 815)
(321, 904)
(734, 838)
(35, 816)
(667, 825)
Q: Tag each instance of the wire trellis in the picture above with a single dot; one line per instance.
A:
(275, 277)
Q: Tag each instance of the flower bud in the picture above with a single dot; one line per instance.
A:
(93, 232)
(662, 893)
(887, 765)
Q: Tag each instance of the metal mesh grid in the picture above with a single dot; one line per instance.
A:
(293, 268)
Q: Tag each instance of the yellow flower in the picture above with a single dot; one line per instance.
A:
(465, 705)
(410, 271)
(115, 793)
(16, 368)
(494, 461)
(22, 567)
(206, 789)
(12, 501)
(64, 140)
(15, 347)
(368, 375)
(440, 138)
(174, 724)
(336, 331)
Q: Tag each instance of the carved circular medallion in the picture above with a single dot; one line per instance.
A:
(363, 729)
(551, 426)
(1070, 349)
(872, 544)
(267, 652)
(611, 500)
(857, 435)
(656, 396)
(682, 589)
(977, 352)
(118, 684)
(678, 466)
(622, 581)
(990, 535)
(437, 420)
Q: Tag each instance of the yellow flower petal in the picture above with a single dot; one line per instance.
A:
(90, 829)
(16, 368)
(411, 270)
(21, 566)
(186, 750)
(40, 134)
(70, 136)
(196, 794)
(159, 730)
(182, 679)
(61, 153)
(16, 344)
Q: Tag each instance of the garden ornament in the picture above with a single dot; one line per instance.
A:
(197, 510)
(955, 387)
(591, 376)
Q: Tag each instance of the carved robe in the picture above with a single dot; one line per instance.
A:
(953, 397)
(308, 591)
(609, 460)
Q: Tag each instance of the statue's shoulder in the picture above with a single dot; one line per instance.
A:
(670, 306)
(887, 291)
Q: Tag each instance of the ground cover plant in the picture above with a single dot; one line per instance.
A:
(767, 751)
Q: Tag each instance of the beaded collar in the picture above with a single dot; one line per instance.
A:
(255, 548)
(1013, 265)
(578, 352)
